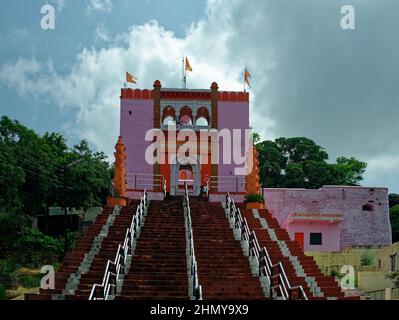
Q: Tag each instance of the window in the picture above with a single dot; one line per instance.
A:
(202, 118)
(315, 239)
(368, 207)
(202, 122)
(169, 121)
(168, 116)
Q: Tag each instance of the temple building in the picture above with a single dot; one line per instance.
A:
(332, 218)
(193, 111)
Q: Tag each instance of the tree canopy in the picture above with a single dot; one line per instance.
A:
(393, 199)
(300, 163)
(32, 175)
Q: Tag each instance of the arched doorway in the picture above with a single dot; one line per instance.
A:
(185, 175)
(180, 173)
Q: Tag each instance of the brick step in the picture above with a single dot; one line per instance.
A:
(138, 281)
(176, 288)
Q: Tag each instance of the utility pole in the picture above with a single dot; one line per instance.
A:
(65, 202)
(65, 168)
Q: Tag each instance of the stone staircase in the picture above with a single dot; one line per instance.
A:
(73, 260)
(224, 271)
(92, 270)
(300, 269)
(159, 265)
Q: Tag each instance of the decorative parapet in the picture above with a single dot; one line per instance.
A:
(314, 216)
(233, 96)
(184, 94)
(139, 94)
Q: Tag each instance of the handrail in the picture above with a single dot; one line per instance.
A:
(231, 183)
(265, 265)
(207, 187)
(143, 181)
(116, 267)
(372, 295)
(164, 186)
(197, 288)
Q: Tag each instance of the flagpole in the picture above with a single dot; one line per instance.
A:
(244, 79)
(184, 76)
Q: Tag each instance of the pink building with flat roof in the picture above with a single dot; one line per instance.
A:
(198, 110)
(332, 218)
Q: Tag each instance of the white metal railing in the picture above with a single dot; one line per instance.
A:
(164, 186)
(116, 267)
(207, 187)
(197, 288)
(266, 267)
(145, 181)
(227, 183)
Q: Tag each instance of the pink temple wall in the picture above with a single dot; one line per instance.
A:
(232, 115)
(133, 129)
(358, 228)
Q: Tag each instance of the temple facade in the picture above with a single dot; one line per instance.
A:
(184, 113)
(212, 127)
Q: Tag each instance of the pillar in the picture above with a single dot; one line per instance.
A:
(252, 185)
(119, 197)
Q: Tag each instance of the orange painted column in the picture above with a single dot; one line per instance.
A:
(252, 185)
(119, 175)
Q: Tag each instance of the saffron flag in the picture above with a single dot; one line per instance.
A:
(130, 78)
(247, 76)
(188, 67)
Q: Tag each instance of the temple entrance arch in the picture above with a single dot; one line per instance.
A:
(189, 172)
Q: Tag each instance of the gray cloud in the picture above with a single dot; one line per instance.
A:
(311, 78)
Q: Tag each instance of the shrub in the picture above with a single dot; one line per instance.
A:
(366, 259)
(34, 248)
(394, 277)
(253, 197)
(9, 265)
(29, 281)
(3, 294)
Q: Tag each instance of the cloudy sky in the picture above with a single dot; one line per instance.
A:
(310, 77)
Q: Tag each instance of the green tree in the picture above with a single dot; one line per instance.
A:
(294, 176)
(351, 171)
(31, 168)
(271, 163)
(317, 173)
(256, 137)
(393, 199)
(299, 150)
(394, 218)
(299, 162)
